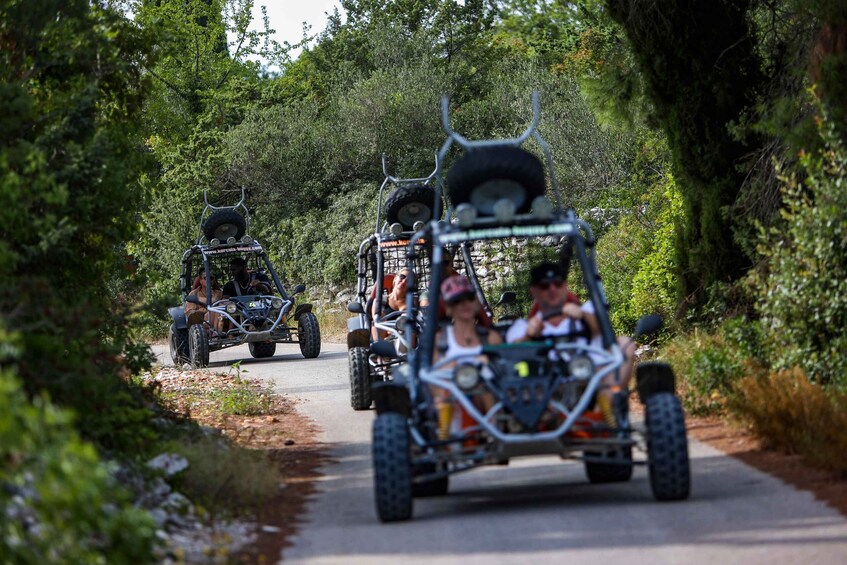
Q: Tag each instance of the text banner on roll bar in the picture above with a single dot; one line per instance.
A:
(507, 231)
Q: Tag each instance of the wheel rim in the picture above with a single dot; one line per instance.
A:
(486, 195)
(225, 231)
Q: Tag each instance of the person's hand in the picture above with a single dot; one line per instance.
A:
(573, 311)
(534, 327)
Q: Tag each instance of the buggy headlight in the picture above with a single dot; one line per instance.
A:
(276, 303)
(581, 367)
(418, 226)
(231, 308)
(214, 242)
(467, 376)
(504, 210)
(230, 240)
(466, 215)
(396, 228)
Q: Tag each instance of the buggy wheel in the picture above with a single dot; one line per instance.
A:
(598, 473)
(410, 204)
(262, 349)
(198, 346)
(392, 468)
(667, 448)
(360, 378)
(436, 487)
(178, 342)
(223, 224)
(309, 335)
(484, 176)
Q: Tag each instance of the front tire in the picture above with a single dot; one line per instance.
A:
(392, 468)
(309, 335)
(667, 448)
(178, 343)
(360, 378)
(198, 346)
(260, 350)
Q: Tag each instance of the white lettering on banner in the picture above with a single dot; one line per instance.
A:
(515, 231)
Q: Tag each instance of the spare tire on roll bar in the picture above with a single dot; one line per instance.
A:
(412, 203)
(223, 224)
(483, 176)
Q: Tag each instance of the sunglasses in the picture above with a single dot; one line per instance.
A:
(464, 297)
(401, 277)
(557, 282)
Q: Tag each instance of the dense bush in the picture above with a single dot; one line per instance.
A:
(802, 293)
(58, 501)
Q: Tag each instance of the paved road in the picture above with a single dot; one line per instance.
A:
(539, 510)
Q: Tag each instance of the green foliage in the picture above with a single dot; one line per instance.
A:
(78, 514)
(69, 161)
(243, 400)
(802, 293)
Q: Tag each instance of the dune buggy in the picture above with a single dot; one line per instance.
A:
(544, 393)
(382, 257)
(261, 320)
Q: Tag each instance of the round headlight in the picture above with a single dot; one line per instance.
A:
(276, 303)
(581, 367)
(396, 228)
(467, 376)
(246, 239)
(419, 225)
(466, 215)
(230, 240)
(215, 242)
(504, 210)
(231, 308)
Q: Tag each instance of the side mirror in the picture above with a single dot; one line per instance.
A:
(648, 324)
(355, 308)
(384, 349)
(194, 300)
(507, 297)
(298, 289)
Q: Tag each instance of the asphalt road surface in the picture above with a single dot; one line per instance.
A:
(537, 510)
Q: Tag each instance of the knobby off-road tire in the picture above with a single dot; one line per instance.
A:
(481, 177)
(309, 335)
(360, 378)
(412, 203)
(437, 487)
(178, 342)
(599, 473)
(198, 346)
(667, 448)
(392, 468)
(260, 350)
(223, 224)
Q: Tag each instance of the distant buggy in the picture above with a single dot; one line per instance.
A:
(260, 320)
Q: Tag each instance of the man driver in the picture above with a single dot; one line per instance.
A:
(244, 282)
(566, 316)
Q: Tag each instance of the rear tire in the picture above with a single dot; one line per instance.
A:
(360, 378)
(412, 203)
(178, 342)
(599, 473)
(223, 224)
(392, 468)
(309, 335)
(667, 448)
(481, 177)
(198, 346)
(260, 350)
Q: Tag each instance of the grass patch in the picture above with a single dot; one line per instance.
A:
(224, 477)
(791, 414)
(243, 399)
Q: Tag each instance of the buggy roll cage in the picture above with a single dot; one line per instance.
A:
(564, 223)
(209, 208)
(390, 179)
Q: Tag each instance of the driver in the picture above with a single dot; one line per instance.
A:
(559, 313)
(244, 282)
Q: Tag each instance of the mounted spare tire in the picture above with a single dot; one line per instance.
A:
(412, 203)
(223, 224)
(483, 176)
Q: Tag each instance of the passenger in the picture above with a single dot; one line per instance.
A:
(460, 342)
(549, 290)
(396, 300)
(245, 283)
(196, 313)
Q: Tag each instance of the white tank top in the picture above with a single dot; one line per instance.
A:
(456, 350)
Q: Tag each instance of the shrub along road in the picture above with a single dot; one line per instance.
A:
(537, 509)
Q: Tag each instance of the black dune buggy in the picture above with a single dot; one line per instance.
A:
(260, 320)
(382, 256)
(542, 395)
